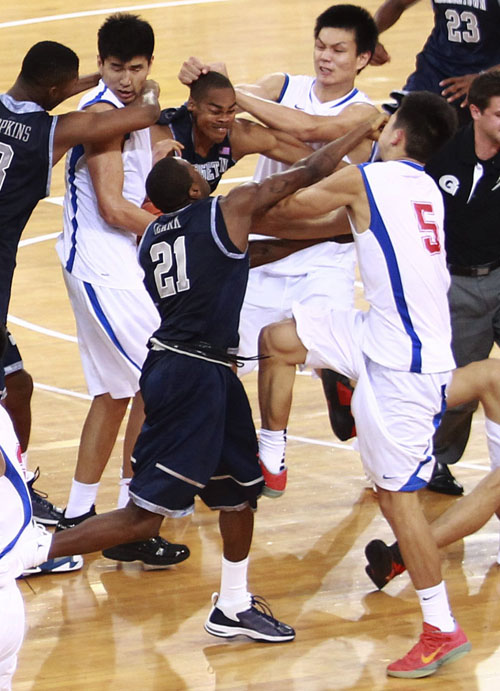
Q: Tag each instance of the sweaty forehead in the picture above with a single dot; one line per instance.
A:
(331, 35)
(220, 97)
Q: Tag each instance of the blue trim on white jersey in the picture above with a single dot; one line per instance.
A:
(379, 230)
(98, 98)
(284, 87)
(76, 153)
(94, 301)
(16, 480)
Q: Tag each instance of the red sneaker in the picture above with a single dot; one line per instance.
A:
(275, 483)
(434, 648)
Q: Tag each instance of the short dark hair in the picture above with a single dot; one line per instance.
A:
(48, 63)
(168, 183)
(206, 82)
(428, 120)
(484, 87)
(125, 36)
(353, 18)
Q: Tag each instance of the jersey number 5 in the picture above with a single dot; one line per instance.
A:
(427, 227)
(162, 252)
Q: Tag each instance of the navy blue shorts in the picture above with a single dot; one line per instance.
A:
(198, 438)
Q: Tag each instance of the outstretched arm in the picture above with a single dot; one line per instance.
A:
(245, 203)
(306, 127)
(249, 137)
(88, 81)
(89, 127)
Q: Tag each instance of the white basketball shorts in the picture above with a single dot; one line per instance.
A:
(269, 298)
(396, 412)
(113, 328)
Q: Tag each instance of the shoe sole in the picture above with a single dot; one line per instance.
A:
(46, 521)
(224, 632)
(75, 565)
(272, 493)
(145, 566)
(452, 656)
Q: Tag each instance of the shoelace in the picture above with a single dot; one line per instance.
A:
(261, 604)
(39, 493)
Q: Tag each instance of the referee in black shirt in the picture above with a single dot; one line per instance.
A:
(467, 170)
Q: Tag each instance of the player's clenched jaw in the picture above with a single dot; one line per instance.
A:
(214, 114)
(125, 78)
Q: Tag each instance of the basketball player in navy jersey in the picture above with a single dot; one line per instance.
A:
(344, 39)
(198, 437)
(464, 41)
(213, 139)
(31, 142)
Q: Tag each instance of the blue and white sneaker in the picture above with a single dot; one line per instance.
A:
(257, 622)
(56, 565)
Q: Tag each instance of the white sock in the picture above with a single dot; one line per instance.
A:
(493, 439)
(234, 596)
(123, 493)
(436, 608)
(272, 446)
(81, 498)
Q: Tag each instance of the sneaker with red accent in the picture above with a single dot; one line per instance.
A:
(384, 562)
(434, 648)
(275, 483)
(338, 393)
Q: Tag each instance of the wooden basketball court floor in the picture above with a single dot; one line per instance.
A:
(112, 627)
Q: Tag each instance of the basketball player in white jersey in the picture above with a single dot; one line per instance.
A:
(345, 38)
(16, 528)
(98, 250)
(399, 351)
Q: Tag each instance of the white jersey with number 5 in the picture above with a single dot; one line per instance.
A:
(408, 324)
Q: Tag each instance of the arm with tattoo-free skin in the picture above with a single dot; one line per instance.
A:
(91, 126)
(244, 204)
(304, 126)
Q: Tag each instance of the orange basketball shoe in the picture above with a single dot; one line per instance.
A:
(275, 483)
(434, 648)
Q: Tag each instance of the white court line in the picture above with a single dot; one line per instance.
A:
(318, 442)
(64, 392)
(41, 329)
(109, 10)
(40, 238)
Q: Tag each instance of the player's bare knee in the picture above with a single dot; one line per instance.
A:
(19, 384)
(270, 343)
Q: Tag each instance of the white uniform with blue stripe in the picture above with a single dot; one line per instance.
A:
(114, 314)
(15, 521)
(316, 275)
(88, 247)
(400, 350)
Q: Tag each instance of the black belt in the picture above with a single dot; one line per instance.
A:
(480, 270)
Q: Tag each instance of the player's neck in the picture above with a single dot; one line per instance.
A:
(331, 92)
(20, 92)
(202, 143)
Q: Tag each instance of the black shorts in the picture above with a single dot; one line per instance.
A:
(198, 438)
